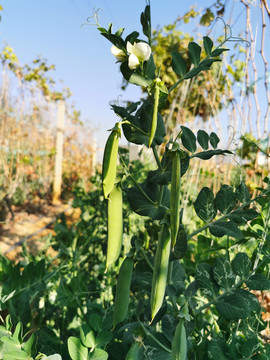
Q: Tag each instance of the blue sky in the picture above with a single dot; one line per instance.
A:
(82, 57)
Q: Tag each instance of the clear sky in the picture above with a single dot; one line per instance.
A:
(82, 57)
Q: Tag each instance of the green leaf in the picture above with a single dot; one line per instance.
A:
(204, 205)
(208, 44)
(180, 247)
(103, 338)
(223, 274)
(216, 349)
(142, 206)
(87, 336)
(194, 52)
(146, 22)
(15, 354)
(242, 193)
(143, 121)
(139, 80)
(178, 64)
(241, 265)
(193, 72)
(76, 349)
(242, 216)
(18, 332)
(149, 68)
(221, 228)
(30, 345)
(250, 347)
(99, 354)
(203, 139)
(214, 140)
(225, 200)
(179, 344)
(95, 321)
(258, 282)
(233, 307)
(205, 155)
(217, 52)
(205, 281)
(252, 301)
(188, 139)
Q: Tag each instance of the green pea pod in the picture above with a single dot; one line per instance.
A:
(175, 195)
(133, 353)
(115, 225)
(110, 160)
(161, 264)
(179, 344)
(155, 114)
(122, 291)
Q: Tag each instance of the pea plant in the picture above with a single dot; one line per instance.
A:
(169, 304)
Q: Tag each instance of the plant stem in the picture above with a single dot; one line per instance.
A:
(157, 158)
(154, 338)
(147, 260)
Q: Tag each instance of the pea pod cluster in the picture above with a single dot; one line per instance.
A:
(115, 225)
(160, 270)
(122, 291)
(109, 163)
(175, 195)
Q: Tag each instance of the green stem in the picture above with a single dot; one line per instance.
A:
(147, 260)
(154, 338)
(157, 158)
(135, 183)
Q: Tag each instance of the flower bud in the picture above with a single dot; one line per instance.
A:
(118, 53)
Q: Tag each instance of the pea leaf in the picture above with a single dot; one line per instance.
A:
(205, 281)
(188, 139)
(242, 193)
(180, 247)
(242, 216)
(214, 140)
(99, 354)
(216, 349)
(221, 228)
(76, 349)
(194, 52)
(204, 205)
(203, 139)
(178, 64)
(225, 199)
(208, 44)
(252, 300)
(241, 265)
(258, 282)
(233, 307)
(250, 347)
(223, 274)
(205, 155)
(217, 52)
(142, 206)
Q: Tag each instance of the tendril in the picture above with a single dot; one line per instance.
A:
(95, 17)
(229, 36)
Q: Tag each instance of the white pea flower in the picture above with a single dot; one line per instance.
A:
(118, 53)
(41, 303)
(52, 296)
(138, 53)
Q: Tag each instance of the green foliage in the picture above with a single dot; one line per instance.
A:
(173, 293)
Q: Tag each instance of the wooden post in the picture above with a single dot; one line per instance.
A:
(57, 182)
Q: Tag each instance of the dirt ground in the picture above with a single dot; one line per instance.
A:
(30, 224)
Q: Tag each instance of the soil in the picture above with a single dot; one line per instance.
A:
(31, 223)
